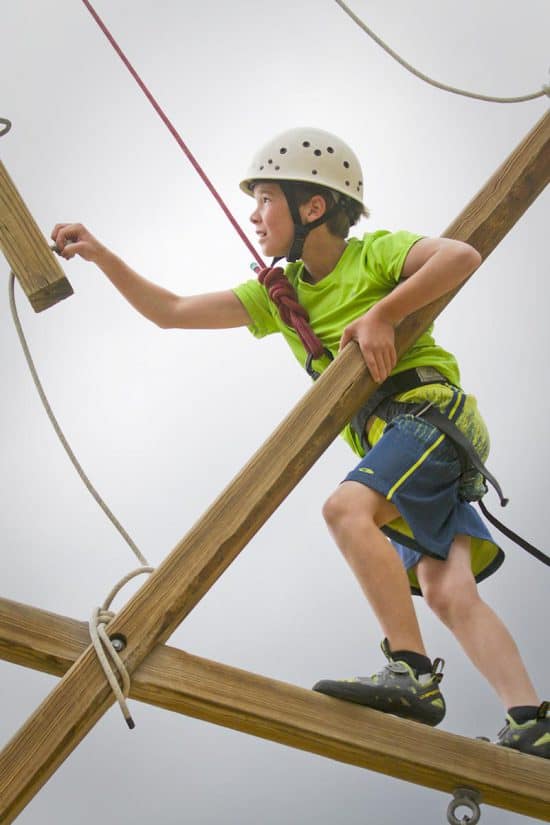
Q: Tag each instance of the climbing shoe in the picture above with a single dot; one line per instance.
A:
(397, 689)
(530, 737)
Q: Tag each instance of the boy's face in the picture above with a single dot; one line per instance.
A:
(272, 220)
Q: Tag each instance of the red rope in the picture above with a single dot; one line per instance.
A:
(173, 130)
(280, 289)
(283, 295)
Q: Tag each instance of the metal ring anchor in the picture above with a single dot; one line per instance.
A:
(6, 126)
(467, 798)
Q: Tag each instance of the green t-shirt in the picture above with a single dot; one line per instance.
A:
(367, 271)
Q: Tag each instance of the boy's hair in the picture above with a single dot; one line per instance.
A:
(348, 213)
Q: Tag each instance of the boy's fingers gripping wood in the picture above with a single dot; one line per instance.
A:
(74, 239)
(376, 339)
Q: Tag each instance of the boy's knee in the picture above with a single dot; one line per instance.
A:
(346, 507)
(450, 600)
(335, 508)
(355, 500)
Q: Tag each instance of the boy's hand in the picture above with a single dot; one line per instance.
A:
(376, 339)
(74, 239)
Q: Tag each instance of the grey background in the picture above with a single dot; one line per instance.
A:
(163, 420)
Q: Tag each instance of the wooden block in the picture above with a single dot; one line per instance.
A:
(26, 250)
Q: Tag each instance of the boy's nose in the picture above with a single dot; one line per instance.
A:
(254, 216)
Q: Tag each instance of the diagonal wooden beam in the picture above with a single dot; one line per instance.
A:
(25, 248)
(82, 696)
(303, 719)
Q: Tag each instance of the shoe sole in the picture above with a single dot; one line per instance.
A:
(388, 701)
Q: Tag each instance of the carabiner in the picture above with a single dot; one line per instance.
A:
(309, 360)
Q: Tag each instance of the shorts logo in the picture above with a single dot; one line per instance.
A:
(366, 470)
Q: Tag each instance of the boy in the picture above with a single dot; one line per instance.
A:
(411, 482)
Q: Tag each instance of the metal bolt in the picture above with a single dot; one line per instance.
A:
(118, 643)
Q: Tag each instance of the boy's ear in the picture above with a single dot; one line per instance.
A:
(315, 208)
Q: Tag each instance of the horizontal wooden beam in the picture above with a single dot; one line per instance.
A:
(303, 719)
(196, 563)
(26, 251)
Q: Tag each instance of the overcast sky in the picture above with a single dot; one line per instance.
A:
(163, 420)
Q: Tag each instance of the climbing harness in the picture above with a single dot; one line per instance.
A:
(545, 90)
(383, 405)
(464, 798)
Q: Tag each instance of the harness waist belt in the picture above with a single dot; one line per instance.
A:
(394, 385)
(381, 404)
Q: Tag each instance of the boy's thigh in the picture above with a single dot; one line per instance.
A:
(455, 569)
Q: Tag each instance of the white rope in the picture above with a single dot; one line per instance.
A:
(89, 486)
(106, 647)
(545, 90)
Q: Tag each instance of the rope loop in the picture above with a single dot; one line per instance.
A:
(293, 314)
(6, 126)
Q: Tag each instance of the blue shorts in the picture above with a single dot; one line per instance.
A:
(416, 467)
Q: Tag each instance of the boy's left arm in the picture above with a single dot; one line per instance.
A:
(433, 267)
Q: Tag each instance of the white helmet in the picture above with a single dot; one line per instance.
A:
(310, 156)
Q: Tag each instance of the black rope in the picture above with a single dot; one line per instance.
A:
(6, 126)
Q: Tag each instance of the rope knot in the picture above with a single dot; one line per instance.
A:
(292, 313)
(107, 649)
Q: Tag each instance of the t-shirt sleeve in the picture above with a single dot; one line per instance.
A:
(253, 296)
(387, 253)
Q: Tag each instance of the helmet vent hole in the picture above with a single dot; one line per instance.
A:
(277, 168)
(346, 164)
(347, 183)
(261, 167)
(314, 171)
(282, 150)
(330, 149)
(270, 160)
(317, 152)
(306, 144)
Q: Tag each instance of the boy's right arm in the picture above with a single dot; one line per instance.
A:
(215, 310)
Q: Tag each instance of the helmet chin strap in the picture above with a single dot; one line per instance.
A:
(301, 230)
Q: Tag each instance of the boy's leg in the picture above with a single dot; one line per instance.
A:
(449, 588)
(409, 684)
(354, 514)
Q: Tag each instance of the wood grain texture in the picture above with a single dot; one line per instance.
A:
(233, 698)
(26, 250)
(148, 619)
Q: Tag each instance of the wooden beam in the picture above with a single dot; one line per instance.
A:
(303, 719)
(26, 250)
(151, 615)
